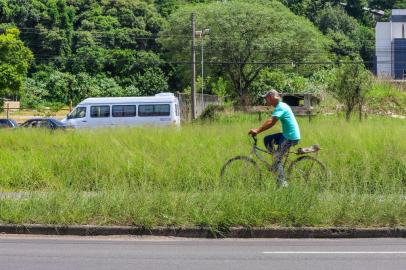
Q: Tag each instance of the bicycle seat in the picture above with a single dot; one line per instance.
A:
(305, 150)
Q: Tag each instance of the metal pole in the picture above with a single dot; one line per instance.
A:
(193, 94)
(202, 38)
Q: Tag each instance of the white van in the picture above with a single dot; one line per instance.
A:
(161, 109)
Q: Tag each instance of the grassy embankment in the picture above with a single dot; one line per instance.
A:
(149, 176)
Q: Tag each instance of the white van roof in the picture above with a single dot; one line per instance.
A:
(161, 98)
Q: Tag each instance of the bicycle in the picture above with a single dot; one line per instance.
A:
(244, 170)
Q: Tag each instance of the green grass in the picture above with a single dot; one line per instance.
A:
(152, 176)
(386, 98)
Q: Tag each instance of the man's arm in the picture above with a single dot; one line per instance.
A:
(266, 125)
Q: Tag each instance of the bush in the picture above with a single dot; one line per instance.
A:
(211, 112)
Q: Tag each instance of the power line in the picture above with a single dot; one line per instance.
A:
(242, 63)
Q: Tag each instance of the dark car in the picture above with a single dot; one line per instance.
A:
(49, 123)
(8, 123)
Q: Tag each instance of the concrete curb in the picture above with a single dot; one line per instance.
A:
(205, 232)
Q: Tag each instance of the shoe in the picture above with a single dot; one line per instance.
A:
(284, 184)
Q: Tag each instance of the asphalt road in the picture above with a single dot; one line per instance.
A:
(43, 253)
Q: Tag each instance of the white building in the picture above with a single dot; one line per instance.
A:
(391, 46)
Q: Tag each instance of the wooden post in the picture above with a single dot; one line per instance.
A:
(8, 109)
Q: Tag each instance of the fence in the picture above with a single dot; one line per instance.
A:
(202, 101)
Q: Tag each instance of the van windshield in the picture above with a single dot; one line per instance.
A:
(79, 112)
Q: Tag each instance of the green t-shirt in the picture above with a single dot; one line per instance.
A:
(290, 128)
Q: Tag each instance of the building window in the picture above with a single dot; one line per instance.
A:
(124, 110)
(154, 110)
(99, 111)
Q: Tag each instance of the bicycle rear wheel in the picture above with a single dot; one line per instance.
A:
(241, 172)
(309, 171)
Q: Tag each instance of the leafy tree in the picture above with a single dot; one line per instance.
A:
(350, 86)
(350, 37)
(387, 4)
(34, 93)
(220, 87)
(46, 25)
(151, 82)
(15, 60)
(334, 18)
(91, 59)
(281, 81)
(242, 33)
(61, 87)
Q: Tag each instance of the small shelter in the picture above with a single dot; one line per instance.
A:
(302, 104)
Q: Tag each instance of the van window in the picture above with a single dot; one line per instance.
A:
(99, 111)
(154, 110)
(124, 110)
(79, 112)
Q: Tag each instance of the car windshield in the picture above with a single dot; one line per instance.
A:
(14, 123)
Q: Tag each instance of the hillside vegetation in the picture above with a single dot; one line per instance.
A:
(87, 48)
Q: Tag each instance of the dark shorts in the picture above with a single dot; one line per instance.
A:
(279, 141)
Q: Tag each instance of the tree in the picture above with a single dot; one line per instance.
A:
(15, 60)
(350, 37)
(242, 33)
(350, 86)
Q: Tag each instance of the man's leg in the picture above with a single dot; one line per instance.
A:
(271, 140)
(283, 149)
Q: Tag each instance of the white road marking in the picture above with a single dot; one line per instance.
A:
(334, 252)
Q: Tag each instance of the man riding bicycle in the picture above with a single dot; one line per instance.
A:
(289, 137)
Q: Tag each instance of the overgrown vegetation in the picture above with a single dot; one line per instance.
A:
(148, 176)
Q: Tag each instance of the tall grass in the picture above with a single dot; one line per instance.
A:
(163, 176)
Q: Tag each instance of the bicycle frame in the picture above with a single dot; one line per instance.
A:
(256, 151)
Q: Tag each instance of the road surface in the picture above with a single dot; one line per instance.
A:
(51, 252)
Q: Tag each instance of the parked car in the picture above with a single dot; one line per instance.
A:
(8, 123)
(161, 109)
(49, 123)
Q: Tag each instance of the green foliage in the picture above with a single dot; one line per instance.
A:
(220, 87)
(350, 87)
(350, 37)
(282, 82)
(89, 37)
(265, 33)
(211, 111)
(34, 93)
(15, 60)
(116, 41)
(385, 98)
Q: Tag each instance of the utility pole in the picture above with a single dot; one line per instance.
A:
(193, 94)
(202, 34)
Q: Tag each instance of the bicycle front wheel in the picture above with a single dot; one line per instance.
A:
(241, 172)
(307, 170)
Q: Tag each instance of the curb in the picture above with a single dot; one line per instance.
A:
(205, 232)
